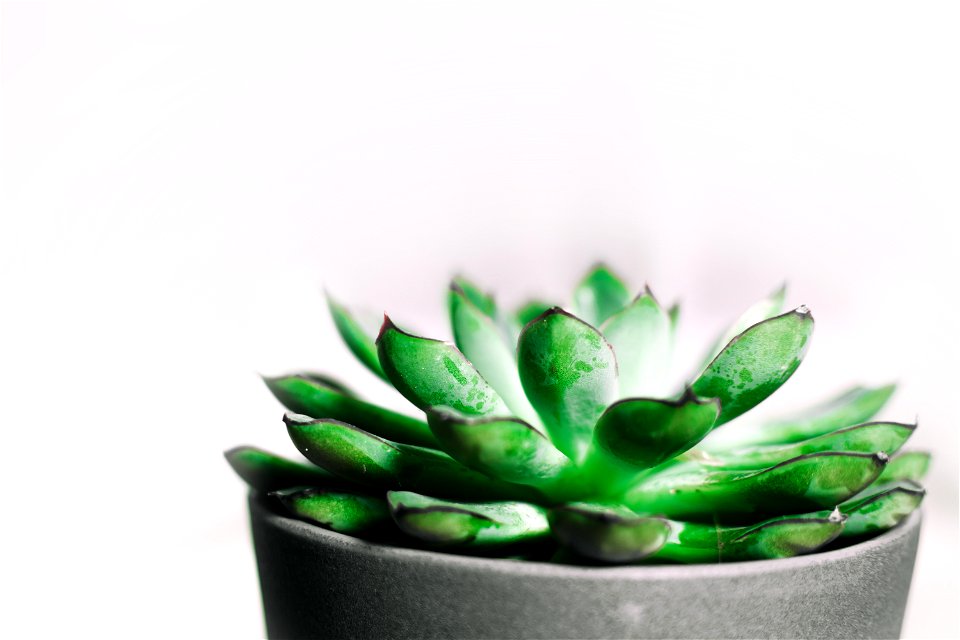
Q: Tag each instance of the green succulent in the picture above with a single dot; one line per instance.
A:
(555, 433)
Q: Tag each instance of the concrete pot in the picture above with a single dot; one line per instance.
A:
(320, 584)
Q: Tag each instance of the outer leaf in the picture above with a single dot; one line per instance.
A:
(345, 512)
(770, 306)
(811, 482)
(463, 524)
(608, 534)
(909, 465)
(781, 537)
(481, 341)
(569, 373)
(881, 508)
(311, 397)
(599, 295)
(869, 437)
(854, 406)
(431, 373)
(360, 457)
(531, 310)
(505, 448)
(756, 363)
(265, 471)
(645, 433)
(641, 337)
(358, 335)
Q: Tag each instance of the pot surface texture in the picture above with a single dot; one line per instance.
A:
(320, 584)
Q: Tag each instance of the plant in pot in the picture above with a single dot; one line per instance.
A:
(557, 486)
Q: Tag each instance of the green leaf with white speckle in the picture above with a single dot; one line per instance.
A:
(758, 312)
(341, 511)
(360, 457)
(569, 373)
(431, 373)
(506, 448)
(881, 507)
(467, 525)
(309, 395)
(756, 363)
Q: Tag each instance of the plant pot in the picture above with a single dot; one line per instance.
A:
(320, 584)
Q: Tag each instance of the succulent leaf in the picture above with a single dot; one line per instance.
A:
(608, 534)
(313, 397)
(761, 310)
(506, 448)
(265, 471)
(854, 406)
(431, 373)
(345, 512)
(869, 437)
(569, 373)
(599, 295)
(756, 363)
(529, 311)
(780, 537)
(481, 341)
(641, 336)
(484, 302)
(358, 456)
(644, 432)
(909, 465)
(358, 334)
(881, 507)
(464, 524)
(811, 482)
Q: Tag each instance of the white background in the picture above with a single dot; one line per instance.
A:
(179, 181)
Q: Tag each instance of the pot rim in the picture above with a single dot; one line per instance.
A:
(311, 533)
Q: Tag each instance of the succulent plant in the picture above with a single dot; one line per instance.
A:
(550, 433)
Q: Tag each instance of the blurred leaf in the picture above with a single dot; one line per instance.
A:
(881, 507)
(265, 471)
(640, 335)
(359, 336)
(345, 512)
(608, 534)
(599, 295)
(909, 465)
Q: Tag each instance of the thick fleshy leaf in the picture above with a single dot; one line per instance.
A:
(358, 456)
(909, 465)
(811, 482)
(431, 373)
(644, 432)
(531, 310)
(484, 302)
(359, 333)
(761, 310)
(312, 397)
(641, 335)
(505, 448)
(608, 534)
(599, 295)
(869, 437)
(781, 537)
(755, 363)
(265, 471)
(345, 512)
(482, 342)
(465, 524)
(881, 507)
(854, 406)
(569, 373)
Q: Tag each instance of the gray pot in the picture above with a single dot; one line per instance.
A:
(320, 584)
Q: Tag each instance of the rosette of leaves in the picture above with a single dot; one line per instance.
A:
(554, 432)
